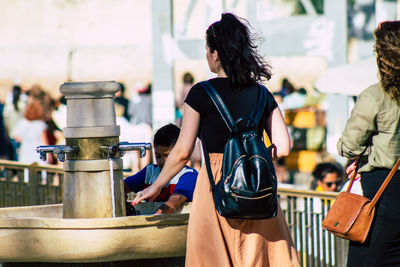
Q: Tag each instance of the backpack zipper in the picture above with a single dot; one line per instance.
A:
(237, 196)
(265, 189)
(229, 176)
(257, 156)
(242, 156)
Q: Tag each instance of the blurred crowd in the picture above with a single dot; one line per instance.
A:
(327, 175)
(26, 122)
(31, 117)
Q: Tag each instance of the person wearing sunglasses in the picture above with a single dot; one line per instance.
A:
(327, 177)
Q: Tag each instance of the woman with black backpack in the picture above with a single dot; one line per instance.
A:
(215, 240)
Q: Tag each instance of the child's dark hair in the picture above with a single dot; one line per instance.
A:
(237, 52)
(166, 135)
(322, 169)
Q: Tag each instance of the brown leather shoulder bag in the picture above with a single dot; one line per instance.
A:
(351, 215)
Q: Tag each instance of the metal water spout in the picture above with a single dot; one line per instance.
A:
(59, 150)
(111, 153)
(122, 147)
(93, 177)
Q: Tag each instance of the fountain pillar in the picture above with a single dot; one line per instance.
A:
(93, 178)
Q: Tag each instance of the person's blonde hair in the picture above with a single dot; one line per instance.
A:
(387, 47)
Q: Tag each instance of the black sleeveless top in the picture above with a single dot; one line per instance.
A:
(240, 103)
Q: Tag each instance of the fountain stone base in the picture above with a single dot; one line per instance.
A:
(40, 234)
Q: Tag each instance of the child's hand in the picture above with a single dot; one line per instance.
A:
(351, 171)
(149, 193)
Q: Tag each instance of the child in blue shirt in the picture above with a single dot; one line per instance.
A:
(181, 187)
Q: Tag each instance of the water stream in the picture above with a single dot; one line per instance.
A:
(111, 161)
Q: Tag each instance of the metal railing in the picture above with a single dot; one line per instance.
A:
(29, 184)
(25, 185)
(304, 211)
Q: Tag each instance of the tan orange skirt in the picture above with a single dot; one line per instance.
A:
(214, 240)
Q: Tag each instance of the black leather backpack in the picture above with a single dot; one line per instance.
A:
(248, 185)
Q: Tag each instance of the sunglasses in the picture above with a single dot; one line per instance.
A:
(337, 183)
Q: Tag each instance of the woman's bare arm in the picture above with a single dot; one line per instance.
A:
(279, 135)
(179, 155)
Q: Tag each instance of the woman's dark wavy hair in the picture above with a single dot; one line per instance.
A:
(387, 47)
(237, 53)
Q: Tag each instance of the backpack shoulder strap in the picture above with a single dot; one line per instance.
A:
(207, 162)
(219, 104)
(259, 108)
(227, 117)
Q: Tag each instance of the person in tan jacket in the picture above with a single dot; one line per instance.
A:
(373, 131)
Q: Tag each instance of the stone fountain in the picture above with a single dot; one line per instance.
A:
(91, 224)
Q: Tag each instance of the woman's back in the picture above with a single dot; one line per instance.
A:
(240, 103)
(375, 116)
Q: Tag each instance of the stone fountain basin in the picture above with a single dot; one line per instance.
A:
(40, 234)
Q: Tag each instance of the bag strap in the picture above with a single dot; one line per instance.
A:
(357, 161)
(226, 116)
(259, 109)
(223, 110)
(207, 161)
(383, 186)
(385, 183)
(352, 178)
